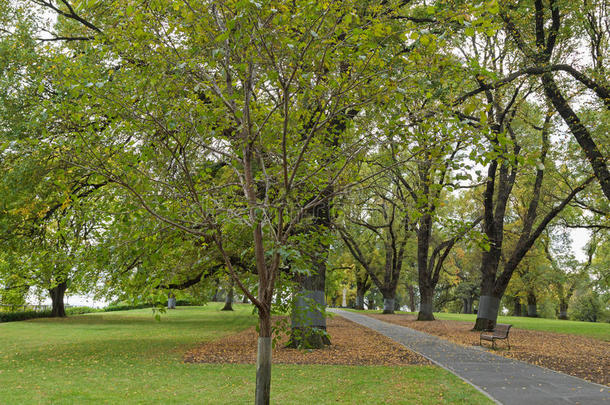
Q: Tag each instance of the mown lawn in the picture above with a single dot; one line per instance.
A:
(129, 358)
(595, 330)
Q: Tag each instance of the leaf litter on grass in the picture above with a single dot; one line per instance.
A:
(351, 344)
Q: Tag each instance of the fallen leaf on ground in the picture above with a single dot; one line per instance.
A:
(352, 344)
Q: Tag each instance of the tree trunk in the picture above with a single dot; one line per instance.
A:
(467, 308)
(263, 361)
(563, 309)
(411, 291)
(487, 315)
(362, 286)
(308, 322)
(580, 132)
(388, 305)
(245, 300)
(517, 307)
(57, 299)
(359, 300)
(388, 301)
(171, 301)
(229, 300)
(531, 305)
(489, 302)
(489, 305)
(426, 296)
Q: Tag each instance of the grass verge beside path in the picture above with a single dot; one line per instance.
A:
(129, 358)
(595, 330)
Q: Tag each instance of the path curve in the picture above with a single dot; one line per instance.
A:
(504, 380)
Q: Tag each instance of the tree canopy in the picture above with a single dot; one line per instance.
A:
(292, 150)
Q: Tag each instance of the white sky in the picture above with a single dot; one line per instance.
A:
(580, 237)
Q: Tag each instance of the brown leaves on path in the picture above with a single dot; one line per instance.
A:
(575, 355)
(352, 344)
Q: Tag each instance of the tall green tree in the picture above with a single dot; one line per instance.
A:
(544, 33)
(46, 206)
(376, 231)
(162, 89)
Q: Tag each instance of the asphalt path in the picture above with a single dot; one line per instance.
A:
(505, 381)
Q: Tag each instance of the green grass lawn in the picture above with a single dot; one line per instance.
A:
(129, 358)
(595, 330)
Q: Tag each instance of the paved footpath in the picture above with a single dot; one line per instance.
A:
(504, 380)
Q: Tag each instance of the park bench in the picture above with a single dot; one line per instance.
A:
(500, 332)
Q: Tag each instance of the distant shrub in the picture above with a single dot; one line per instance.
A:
(23, 315)
(589, 307)
(547, 309)
(187, 303)
(122, 306)
(81, 310)
(125, 307)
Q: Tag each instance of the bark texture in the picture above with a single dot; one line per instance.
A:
(467, 305)
(363, 284)
(359, 301)
(532, 307)
(263, 371)
(308, 322)
(388, 305)
(229, 299)
(57, 294)
(307, 319)
(171, 301)
(517, 307)
(563, 309)
(426, 298)
(411, 292)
